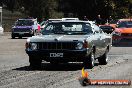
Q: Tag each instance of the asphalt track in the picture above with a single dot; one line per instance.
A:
(15, 71)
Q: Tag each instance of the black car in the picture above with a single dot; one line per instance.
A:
(107, 28)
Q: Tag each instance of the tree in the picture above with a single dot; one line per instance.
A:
(76, 8)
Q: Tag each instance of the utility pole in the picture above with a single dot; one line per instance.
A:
(1, 15)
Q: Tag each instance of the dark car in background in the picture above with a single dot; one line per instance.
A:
(43, 23)
(107, 28)
(24, 28)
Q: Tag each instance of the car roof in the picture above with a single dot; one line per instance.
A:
(130, 19)
(54, 19)
(67, 21)
(28, 19)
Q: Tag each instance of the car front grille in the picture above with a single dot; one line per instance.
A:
(22, 30)
(57, 45)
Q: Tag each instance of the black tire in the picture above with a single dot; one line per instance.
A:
(89, 61)
(12, 36)
(35, 62)
(103, 60)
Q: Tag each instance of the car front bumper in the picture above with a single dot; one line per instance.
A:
(68, 55)
(25, 34)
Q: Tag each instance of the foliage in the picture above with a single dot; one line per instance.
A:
(74, 8)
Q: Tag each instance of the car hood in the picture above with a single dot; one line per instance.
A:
(22, 27)
(124, 30)
(113, 25)
(48, 38)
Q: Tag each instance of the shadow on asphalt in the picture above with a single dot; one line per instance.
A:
(18, 38)
(58, 67)
(124, 43)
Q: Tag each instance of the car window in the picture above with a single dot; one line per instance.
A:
(68, 28)
(24, 23)
(125, 24)
(42, 23)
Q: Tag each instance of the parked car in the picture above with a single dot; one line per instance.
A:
(1, 29)
(113, 23)
(24, 28)
(69, 41)
(43, 23)
(67, 19)
(123, 30)
(107, 28)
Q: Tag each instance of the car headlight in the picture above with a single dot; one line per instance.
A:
(33, 46)
(79, 45)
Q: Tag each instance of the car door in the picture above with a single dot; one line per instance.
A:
(97, 41)
(102, 39)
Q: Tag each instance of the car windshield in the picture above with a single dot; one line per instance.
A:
(42, 23)
(24, 23)
(69, 28)
(125, 24)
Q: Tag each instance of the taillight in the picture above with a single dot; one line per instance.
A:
(85, 44)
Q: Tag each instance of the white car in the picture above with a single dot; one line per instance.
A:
(66, 19)
(68, 41)
(49, 20)
(1, 30)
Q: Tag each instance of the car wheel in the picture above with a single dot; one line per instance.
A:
(103, 60)
(89, 61)
(35, 62)
(12, 36)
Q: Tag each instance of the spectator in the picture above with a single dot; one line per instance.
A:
(85, 18)
(110, 19)
(99, 20)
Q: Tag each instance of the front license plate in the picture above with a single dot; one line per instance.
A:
(21, 33)
(56, 54)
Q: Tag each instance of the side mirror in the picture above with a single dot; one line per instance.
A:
(94, 32)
